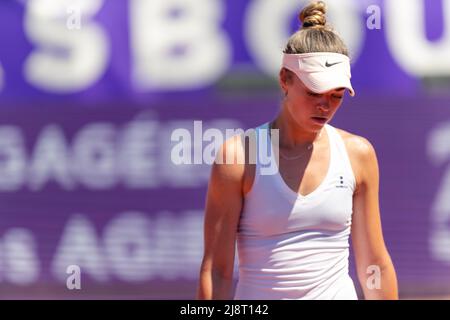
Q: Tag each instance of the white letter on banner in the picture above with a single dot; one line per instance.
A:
(21, 264)
(405, 33)
(129, 246)
(79, 246)
(138, 147)
(50, 160)
(65, 60)
(14, 160)
(177, 44)
(94, 156)
(267, 28)
(439, 153)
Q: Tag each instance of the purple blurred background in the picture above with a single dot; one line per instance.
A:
(91, 92)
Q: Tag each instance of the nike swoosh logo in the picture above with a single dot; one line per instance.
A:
(331, 64)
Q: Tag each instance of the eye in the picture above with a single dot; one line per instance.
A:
(313, 94)
(338, 97)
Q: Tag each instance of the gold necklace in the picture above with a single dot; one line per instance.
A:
(296, 157)
(308, 148)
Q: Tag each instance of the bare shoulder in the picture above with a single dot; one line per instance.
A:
(229, 164)
(362, 156)
(358, 147)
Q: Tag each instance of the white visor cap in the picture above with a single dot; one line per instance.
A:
(321, 71)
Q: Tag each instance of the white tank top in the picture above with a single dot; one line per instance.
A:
(296, 247)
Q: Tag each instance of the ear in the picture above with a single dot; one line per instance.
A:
(285, 79)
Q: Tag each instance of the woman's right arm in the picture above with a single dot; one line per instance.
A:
(223, 207)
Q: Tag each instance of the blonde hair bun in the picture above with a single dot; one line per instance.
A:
(313, 15)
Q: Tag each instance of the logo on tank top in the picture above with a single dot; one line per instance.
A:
(341, 183)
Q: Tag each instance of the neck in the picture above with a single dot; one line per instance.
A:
(292, 135)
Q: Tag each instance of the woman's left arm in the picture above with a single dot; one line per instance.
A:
(374, 266)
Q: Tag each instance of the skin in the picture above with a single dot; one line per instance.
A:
(229, 183)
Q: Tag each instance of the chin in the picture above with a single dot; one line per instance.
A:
(316, 125)
(311, 127)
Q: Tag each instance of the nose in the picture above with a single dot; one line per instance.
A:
(324, 104)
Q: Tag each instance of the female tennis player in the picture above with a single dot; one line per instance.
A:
(292, 228)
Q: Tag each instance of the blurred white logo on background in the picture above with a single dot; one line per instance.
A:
(64, 61)
(179, 45)
(407, 17)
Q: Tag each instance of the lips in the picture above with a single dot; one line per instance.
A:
(319, 119)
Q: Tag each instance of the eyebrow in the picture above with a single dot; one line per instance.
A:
(340, 89)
